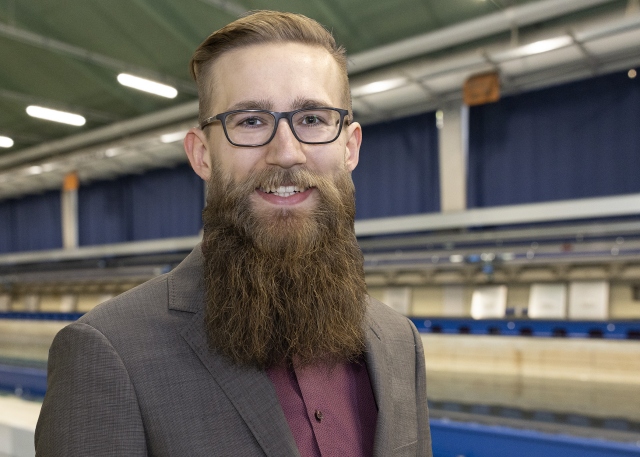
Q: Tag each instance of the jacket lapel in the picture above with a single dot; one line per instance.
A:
(249, 390)
(377, 358)
(251, 393)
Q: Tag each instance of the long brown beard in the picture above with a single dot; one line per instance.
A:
(283, 284)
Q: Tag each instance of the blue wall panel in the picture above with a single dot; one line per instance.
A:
(398, 169)
(162, 203)
(31, 223)
(577, 140)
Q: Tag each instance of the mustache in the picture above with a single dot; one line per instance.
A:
(274, 176)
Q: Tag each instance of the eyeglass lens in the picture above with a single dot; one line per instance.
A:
(255, 128)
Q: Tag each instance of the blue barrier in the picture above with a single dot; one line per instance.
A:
(530, 327)
(23, 381)
(41, 316)
(508, 327)
(450, 439)
(457, 439)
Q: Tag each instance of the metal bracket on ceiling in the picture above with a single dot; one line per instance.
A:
(593, 63)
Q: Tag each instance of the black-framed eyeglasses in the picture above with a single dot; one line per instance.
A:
(253, 128)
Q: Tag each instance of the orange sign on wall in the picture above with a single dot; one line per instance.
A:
(71, 182)
(481, 89)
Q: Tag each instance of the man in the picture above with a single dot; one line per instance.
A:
(263, 341)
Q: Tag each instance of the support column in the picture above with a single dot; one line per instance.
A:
(69, 206)
(453, 122)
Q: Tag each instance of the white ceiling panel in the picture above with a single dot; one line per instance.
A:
(542, 61)
(391, 99)
(614, 44)
(448, 82)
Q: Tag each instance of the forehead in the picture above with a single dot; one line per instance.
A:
(275, 74)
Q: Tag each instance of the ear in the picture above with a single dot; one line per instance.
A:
(195, 145)
(354, 140)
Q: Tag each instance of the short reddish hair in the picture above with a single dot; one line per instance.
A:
(261, 27)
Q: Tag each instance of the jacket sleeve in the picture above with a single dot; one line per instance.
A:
(424, 432)
(90, 407)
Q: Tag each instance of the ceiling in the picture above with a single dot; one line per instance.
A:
(66, 55)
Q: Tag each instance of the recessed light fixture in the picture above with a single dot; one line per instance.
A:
(146, 85)
(632, 73)
(5, 142)
(55, 115)
(174, 136)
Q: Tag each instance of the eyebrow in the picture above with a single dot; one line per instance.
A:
(298, 103)
(304, 103)
(252, 104)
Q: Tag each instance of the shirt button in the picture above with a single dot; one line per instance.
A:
(318, 415)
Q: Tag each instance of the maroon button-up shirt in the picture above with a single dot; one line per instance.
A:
(331, 412)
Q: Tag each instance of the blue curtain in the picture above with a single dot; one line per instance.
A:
(162, 203)
(31, 223)
(577, 140)
(6, 226)
(398, 169)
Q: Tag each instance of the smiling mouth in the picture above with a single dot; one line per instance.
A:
(283, 191)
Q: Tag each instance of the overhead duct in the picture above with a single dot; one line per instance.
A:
(474, 29)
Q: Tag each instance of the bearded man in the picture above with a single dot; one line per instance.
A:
(263, 341)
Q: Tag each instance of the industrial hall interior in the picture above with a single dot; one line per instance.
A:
(497, 196)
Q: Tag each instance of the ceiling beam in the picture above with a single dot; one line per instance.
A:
(98, 116)
(109, 132)
(468, 31)
(85, 55)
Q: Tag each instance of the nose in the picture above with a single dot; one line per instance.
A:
(285, 150)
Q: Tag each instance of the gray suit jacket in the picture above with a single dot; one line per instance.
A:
(135, 377)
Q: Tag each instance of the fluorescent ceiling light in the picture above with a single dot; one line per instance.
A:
(112, 152)
(378, 86)
(147, 85)
(55, 115)
(173, 137)
(5, 142)
(531, 49)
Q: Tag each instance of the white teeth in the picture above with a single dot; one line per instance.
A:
(283, 191)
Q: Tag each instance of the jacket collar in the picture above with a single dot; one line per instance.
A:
(261, 409)
(186, 283)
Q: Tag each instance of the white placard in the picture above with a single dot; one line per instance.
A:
(398, 298)
(489, 302)
(5, 303)
(453, 301)
(547, 301)
(31, 302)
(589, 300)
(68, 303)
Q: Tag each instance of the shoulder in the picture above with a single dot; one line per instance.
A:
(146, 299)
(168, 296)
(389, 321)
